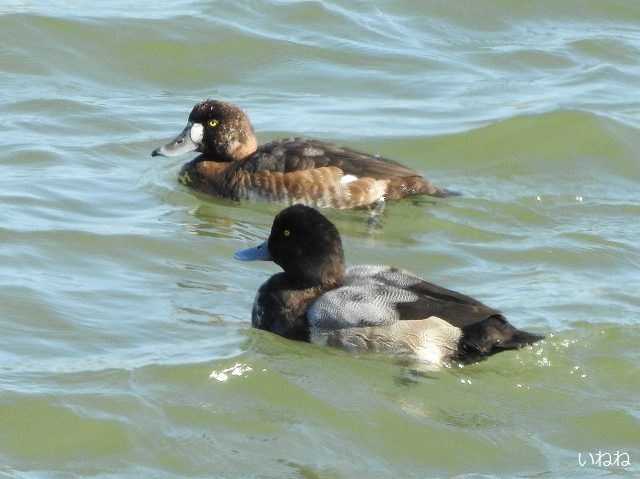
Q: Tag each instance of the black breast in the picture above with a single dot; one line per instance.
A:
(281, 308)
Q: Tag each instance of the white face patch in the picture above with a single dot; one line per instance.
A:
(196, 133)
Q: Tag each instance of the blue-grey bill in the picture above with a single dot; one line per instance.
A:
(259, 253)
(179, 146)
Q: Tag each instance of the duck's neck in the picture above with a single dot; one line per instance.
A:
(213, 157)
(240, 151)
(231, 150)
(323, 271)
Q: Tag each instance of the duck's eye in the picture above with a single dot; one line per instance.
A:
(213, 123)
(286, 233)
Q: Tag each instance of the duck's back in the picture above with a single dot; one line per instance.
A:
(380, 308)
(320, 173)
(373, 295)
(298, 154)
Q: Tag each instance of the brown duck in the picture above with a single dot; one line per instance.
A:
(295, 170)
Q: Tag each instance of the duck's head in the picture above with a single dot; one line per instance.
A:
(305, 244)
(217, 129)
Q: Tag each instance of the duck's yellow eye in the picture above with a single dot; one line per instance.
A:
(286, 233)
(213, 123)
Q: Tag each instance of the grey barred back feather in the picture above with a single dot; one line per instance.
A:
(369, 296)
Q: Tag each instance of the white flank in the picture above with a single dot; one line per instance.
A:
(439, 341)
(346, 179)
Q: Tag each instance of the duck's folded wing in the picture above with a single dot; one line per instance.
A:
(297, 154)
(378, 296)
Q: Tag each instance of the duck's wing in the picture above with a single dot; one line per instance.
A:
(382, 295)
(298, 154)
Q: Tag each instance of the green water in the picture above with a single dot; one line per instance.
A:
(119, 296)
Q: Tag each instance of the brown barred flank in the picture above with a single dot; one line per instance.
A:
(319, 186)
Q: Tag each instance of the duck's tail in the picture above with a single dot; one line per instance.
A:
(518, 339)
(493, 335)
(444, 193)
(415, 185)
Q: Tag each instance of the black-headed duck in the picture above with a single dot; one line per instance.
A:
(295, 170)
(366, 307)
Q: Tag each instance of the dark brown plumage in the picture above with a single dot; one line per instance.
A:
(294, 170)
